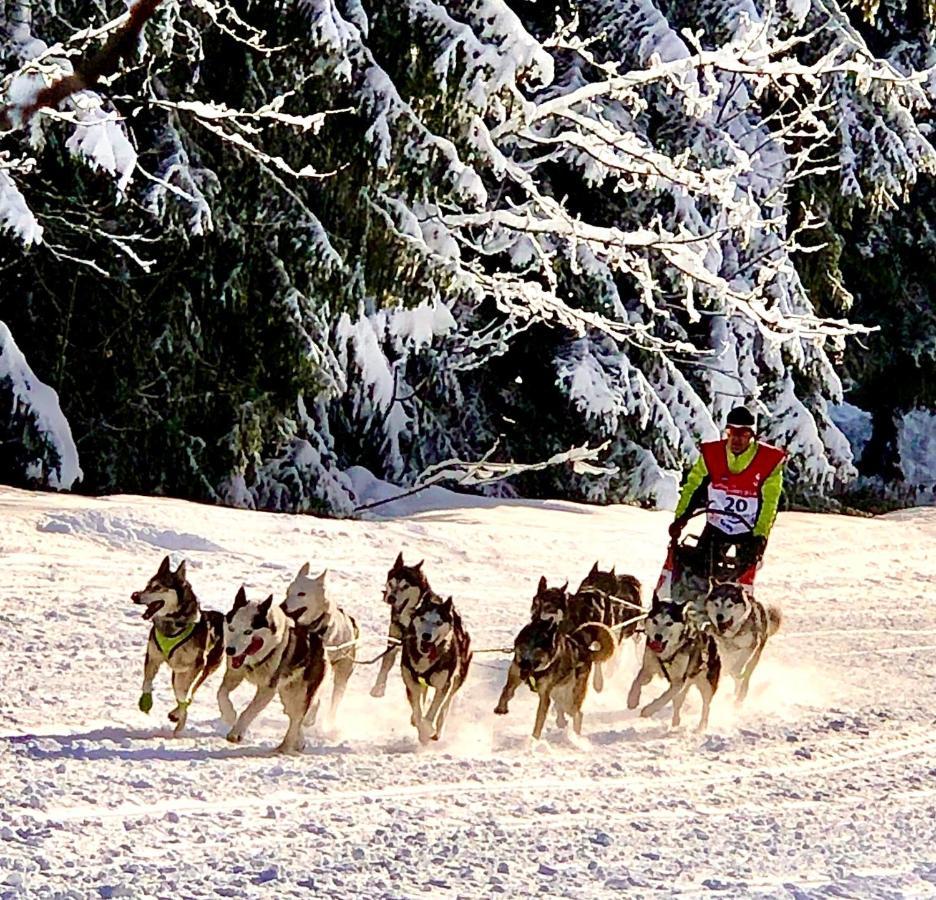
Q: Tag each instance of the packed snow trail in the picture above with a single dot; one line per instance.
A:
(823, 783)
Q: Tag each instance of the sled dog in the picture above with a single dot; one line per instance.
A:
(611, 599)
(682, 655)
(309, 606)
(265, 647)
(183, 635)
(740, 625)
(404, 588)
(556, 665)
(550, 604)
(621, 602)
(436, 654)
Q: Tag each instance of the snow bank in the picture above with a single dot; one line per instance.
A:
(916, 445)
(855, 423)
(123, 532)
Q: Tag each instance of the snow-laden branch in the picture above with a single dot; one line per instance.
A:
(35, 400)
(27, 95)
(484, 472)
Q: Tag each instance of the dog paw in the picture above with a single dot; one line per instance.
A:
(234, 737)
(632, 702)
(500, 709)
(173, 715)
(290, 749)
(378, 690)
(646, 712)
(146, 702)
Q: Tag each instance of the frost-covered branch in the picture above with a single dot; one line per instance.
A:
(485, 472)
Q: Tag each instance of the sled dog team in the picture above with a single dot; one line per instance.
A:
(287, 648)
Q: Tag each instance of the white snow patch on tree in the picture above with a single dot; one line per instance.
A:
(15, 215)
(41, 403)
(916, 445)
(100, 139)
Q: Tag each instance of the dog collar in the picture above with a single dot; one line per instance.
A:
(170, 642)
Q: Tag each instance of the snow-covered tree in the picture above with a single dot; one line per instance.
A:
(305, 234)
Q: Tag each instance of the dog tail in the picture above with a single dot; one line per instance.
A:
(774, 620)
(601, 643)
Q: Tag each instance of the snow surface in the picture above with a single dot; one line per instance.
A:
(824, 784)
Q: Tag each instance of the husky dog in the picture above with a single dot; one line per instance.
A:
(550, 604)
(404, 588)
(436, 654)
(611, 599)
(740, 626)
(265, 647)
(308, 605)
(682, 655)
(622, 603)
(556, 665)
(183, 635)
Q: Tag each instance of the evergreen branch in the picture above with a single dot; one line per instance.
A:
(87, 73)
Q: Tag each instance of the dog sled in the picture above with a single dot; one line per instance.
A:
(690, 569)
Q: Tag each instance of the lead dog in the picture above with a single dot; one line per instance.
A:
(183, 635)
(740, 625)
(436, 654)
(682, 655)
(266, 648)
(308, 605)
(557, 665)
(404, 588)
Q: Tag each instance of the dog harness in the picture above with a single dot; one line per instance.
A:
(320, 625)
(170, 643)
(734, 498)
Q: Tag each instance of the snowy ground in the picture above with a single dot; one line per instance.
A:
(822, 786)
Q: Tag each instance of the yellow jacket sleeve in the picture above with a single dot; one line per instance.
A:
(697, 474)
(770, 500)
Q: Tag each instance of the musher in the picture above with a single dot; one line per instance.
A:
(738, 481)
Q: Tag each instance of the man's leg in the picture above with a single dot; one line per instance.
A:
(747, 560)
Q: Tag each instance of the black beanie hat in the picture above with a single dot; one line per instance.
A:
(742, 417)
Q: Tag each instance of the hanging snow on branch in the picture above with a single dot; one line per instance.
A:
(36, 433)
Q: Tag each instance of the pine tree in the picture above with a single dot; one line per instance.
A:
(306, 234)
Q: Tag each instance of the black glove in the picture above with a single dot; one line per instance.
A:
(676, 527)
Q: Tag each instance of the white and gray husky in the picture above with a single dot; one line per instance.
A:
(186, 637)
(264, 646)
(308, 605)
(680, 653)
(740, 625)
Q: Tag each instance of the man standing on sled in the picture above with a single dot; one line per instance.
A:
(738, 481)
